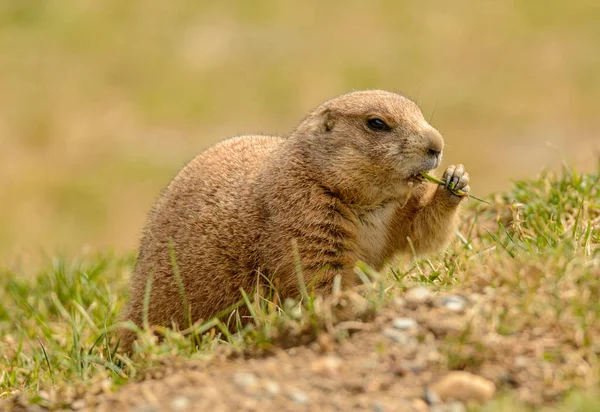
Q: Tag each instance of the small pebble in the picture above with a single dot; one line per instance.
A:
(328, 366)
(399, 336)
(245, 380)
(180, 402)
(271, 388)
(448, 327)
(399, 302)
(431, 397)
(45, 396)
(418, 296)
(462, 386)
(78, 404)
(520, 362)
(455, 303)
(298, 396)
(405, 323)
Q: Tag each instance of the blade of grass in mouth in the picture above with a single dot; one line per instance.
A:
(457, 192)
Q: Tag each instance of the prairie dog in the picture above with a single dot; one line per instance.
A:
(345, 185)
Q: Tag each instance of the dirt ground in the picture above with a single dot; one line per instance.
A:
(421, 352)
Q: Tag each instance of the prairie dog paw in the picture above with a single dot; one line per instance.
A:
(456, 178)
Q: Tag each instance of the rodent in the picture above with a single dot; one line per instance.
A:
(344, 185)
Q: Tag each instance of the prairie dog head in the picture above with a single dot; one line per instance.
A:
(371, 144)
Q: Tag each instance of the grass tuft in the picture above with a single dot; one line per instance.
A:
(533, 257)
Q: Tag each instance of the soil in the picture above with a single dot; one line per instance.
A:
(421, 352)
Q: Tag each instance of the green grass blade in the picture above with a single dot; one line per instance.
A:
(456, 192)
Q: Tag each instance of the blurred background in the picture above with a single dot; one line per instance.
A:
(102, 102)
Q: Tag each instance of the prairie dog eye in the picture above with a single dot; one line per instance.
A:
(377, 125)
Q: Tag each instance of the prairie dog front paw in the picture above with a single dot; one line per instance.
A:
(456, 178)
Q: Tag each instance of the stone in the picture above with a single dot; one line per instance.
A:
(452, 327)
(418, 296)
(463, 387)
(298, 396)
(180, 403)
(399, 337)
(455, 303)
(328, 366)
(404, 323)
(78, 404)
(245, 380)
(271, 388)
(399, 302)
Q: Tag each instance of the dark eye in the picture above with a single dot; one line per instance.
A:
(377, 125)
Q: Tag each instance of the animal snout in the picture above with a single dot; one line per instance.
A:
(433, 152)
(435, 142)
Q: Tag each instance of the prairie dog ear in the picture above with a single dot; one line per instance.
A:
(328, 120)
(318, 122)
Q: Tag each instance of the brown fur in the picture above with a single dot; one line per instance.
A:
(342, 191)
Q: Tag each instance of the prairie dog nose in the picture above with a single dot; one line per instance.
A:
(435, 143)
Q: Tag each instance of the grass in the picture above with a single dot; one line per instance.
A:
(534, 254)
(102, 102)
(457, 192)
